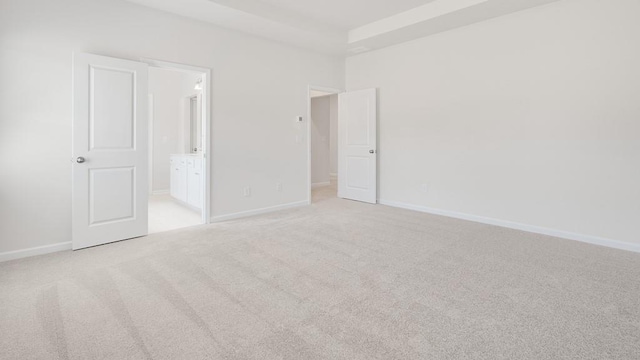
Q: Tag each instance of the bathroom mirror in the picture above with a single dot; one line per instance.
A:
(195, 125)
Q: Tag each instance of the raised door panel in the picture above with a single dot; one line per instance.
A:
(357, 173)
(112, 109)
(112, 195)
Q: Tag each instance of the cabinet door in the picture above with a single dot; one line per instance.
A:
(175, 178)
(182, 184)
(194, 187)
(178, 181)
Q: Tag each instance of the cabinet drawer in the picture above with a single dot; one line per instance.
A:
(177, 161)
(195, 163)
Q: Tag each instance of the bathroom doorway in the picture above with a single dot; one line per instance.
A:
(179, 169)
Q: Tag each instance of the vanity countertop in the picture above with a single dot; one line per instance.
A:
(192, 155)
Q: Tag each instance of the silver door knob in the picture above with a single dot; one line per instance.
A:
(372, 151)
(80, 160)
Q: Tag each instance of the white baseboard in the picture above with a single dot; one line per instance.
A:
(333, 175)
(322, 184)
(161, 192)
(40, 250)
(621, 245)
(266, 210)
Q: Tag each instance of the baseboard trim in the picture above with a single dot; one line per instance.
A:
(333, 175)
(594, 240)
(244, 214)
(161, 192)
(322, 184)
(40, 250)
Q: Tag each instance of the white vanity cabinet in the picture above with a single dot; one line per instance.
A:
(186, 179)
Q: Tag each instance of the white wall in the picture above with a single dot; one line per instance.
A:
(320, 139)
(259, 87)
(170, 124)
(333, 134)
(532, 118)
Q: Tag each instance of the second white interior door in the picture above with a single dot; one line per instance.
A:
(357, 146)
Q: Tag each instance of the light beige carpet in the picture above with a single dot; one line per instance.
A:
(336, 280)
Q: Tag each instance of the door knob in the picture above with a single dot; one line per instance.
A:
(372, 151)
(80, 160)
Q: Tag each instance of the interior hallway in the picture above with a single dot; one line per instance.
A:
(325, 193)
(334, 280)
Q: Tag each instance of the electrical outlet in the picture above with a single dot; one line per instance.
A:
(424, 188)
(246, 192)
(279, 187)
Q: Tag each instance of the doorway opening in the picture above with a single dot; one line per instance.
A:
(323, 143)
(178, 146)
(343, 138)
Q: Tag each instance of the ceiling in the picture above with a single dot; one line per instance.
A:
(341, 27)
(347, 14)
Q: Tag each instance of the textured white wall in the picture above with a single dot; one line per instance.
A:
(320, 139)
(333, 134)
(532, 118)
(259, 87)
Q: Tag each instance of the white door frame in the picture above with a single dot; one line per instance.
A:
(150, 104)
(332, 91)
(206, 125)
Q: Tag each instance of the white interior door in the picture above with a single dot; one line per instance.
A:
(357, 146)
(110, 151)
